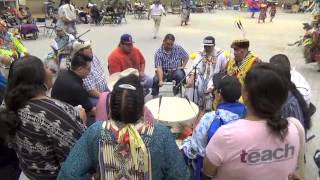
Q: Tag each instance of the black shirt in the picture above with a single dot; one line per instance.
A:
(68, 87)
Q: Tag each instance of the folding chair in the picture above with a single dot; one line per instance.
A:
(48, 26)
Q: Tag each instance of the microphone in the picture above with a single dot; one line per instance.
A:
(193, 56)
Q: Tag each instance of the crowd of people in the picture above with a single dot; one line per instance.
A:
(89, 127)
(72, 122)
(14, 16)
(255, 6)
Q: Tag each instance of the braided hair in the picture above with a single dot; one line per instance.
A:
(127, 100)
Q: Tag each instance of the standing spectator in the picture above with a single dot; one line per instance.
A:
(263, 145)
(185, 11)
(94, 13)
(253, 7)
(127, 56)
(156, 11)
(273, 10)
(126, 147)
(170, 60)
(263, 12)
(42, 130)
(67, 17)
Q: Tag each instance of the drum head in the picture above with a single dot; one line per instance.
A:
(173, 109)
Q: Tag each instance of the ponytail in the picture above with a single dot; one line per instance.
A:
(278, 125)
(266, 102)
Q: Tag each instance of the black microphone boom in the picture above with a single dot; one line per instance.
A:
(194, 80)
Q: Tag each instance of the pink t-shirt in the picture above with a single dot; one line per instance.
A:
(247, 150)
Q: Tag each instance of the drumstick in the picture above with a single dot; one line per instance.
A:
(160, 99)
(190, 104)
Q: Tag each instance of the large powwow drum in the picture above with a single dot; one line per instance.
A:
(173, 111)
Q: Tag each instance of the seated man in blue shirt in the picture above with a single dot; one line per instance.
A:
(170, 60)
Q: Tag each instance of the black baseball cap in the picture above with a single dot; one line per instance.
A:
(208, 41)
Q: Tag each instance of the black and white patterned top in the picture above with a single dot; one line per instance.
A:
(49, 128)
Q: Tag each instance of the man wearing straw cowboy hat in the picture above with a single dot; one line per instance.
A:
(243, 59)
(95, 83)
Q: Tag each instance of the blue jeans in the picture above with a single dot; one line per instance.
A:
(168, 76)
(146, 82)
(93, 100)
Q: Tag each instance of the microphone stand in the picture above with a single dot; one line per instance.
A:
(194, 79)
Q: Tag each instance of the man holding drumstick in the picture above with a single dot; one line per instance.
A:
(170, 60)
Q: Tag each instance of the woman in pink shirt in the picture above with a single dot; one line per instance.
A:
(262, 146)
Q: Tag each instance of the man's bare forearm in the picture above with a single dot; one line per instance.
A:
(160, 73)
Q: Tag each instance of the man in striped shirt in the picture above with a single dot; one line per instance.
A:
(170, 60)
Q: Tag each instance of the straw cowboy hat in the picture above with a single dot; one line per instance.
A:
(77, 46)
(112, 80)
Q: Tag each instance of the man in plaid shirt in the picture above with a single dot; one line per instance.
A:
(95, 82)
(170, 60)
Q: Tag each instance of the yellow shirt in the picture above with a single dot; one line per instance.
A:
(240, 71)
(13, 49)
